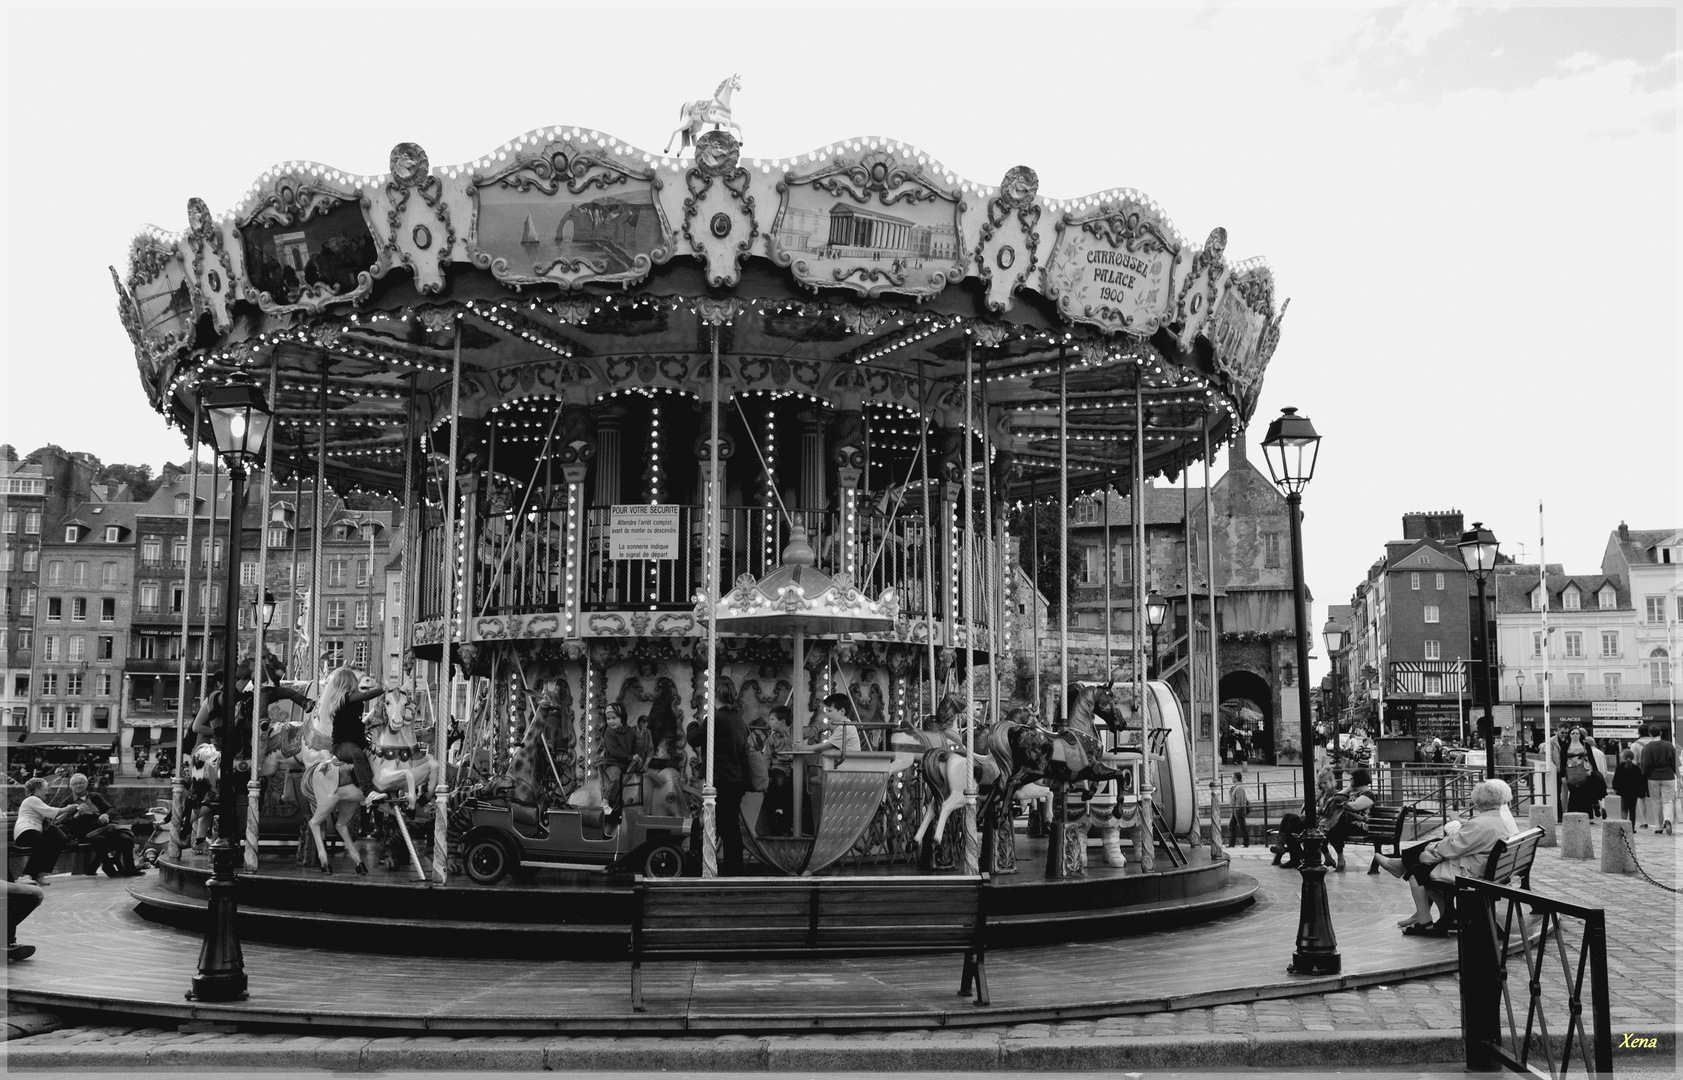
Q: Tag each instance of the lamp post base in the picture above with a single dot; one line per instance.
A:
(221, 974)
(1317, 942)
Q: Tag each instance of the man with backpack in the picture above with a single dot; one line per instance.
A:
(1659, 768)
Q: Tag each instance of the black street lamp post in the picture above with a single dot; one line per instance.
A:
(1478, 550)
(1519, 709)
(1335, 637)
(1290, 449)
(1156, 610)
(239, 419)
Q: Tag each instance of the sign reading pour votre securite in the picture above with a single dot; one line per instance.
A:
(643, 532)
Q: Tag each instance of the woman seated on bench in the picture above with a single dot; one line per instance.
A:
(1343, 814)
(1461, 853)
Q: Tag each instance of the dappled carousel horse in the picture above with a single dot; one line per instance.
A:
(393, 751)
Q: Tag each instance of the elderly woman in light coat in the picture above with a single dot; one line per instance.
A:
(1462, 852)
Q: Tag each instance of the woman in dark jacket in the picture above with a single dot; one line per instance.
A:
(1629, 785)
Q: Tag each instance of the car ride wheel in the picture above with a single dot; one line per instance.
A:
(488, 859)
(665, 861)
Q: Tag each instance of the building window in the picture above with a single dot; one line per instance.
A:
(1434, 684)
(108, 609)
(1574, 679)
(149, 597)
(1084, 512)
(28, 602)
(1538, 597)
(1270, 549)
(102, 685)
(49, 647)
(338, 571)
(72, 533)
(1574, 644)
(79, 609)
(1433, 650)
(341, 532)
(76, 647)
(1656, 609)
(55, 573)
(108, 575)
(1659, 667)
(248, 573)
(334, 654)
(1423, 559)
(181, 504)
(362, 614)
(1569, 600)
(362, 573)
(335, 614)
(277, 536)
(31, 560)
(1609, 643)
(1608, 599)
(146, 647)
(210, 551)
(32, 523)
(107, 646)
(8, 558)
(359, 654)
(1680, 609)
(55, 608)
(1431, 613)
(49, 684)
(1610, 679)
(11, 526)
(151, 549)
(178, 552)
(210, 597)
(79, 573)
(113, 534)
(1438, 584)
(177, 598)
(46, 718)
(1414, 581)
(73, 684)
(26, 640)
(1536, 643)
(73, 718)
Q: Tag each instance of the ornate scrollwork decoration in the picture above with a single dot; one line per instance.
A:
(1128, 229)
(411, 173)
(204, 239)
(717, 311)
(863, 318)
(573, 312)
(1017, 193)
(718, 158)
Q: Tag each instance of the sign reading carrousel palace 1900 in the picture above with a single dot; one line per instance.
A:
(1111, 265)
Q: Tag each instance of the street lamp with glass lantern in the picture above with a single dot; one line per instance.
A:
(1335, 636)
(1291, 448)
(1156, 610)
(1519, 708)
(1479, 551)
(239, 421)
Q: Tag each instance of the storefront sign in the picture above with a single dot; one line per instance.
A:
(1616, 731)
(643, 532)
(1629, 709)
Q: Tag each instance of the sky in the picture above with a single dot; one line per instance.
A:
(1472, 208)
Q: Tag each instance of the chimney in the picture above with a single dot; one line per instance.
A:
(1236, 451)
(1624, 531)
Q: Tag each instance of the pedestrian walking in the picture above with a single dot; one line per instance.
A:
(1659, 768)
(1645, 736)
(1629, 785)
(1238, 829)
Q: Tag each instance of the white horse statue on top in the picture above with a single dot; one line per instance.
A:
(705, 111)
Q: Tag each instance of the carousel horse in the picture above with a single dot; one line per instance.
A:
(660, 794)
(714, 110)
(943, 764)
(393, 752)
(327, 789)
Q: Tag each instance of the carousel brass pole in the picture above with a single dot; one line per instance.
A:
(447, 615)
(928, 533)
(292, 581)
(411, 529)
(254, 785)
(1215, 671)
(177, 789)
(994, 525)
(1055, 827)
(318, 650)
(210, 569)
(709, 794)
(1144, 666)
(972, 840)
(1107, 581)
(1034, 587)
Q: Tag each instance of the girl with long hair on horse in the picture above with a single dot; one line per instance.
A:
(344, 696)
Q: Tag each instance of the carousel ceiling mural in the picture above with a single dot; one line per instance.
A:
(568, 266)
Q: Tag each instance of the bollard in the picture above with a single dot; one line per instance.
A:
(1542, 817)
(1613, 806)
(1576, 842)
(1615, 853)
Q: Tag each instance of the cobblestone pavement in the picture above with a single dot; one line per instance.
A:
(1411, 1023)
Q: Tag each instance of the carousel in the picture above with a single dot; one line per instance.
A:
(675, 435)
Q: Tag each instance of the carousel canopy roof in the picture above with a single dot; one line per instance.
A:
(568, 266)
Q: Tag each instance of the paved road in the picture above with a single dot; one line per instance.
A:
(1412, 1028)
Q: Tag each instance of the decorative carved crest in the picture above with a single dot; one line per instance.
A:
(213, 270)
(997, 245)
(731, 225)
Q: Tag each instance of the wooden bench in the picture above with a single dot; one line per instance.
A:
(1509, 860)
(771, 918)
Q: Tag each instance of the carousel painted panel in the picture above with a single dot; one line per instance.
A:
(306, 242)
(163, 305)
(1243, 315)
(873, 222)
(561, 214)
(1111, 266)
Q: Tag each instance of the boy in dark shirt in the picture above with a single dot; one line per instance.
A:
(623, 750)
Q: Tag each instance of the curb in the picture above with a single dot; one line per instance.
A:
(21, 1025)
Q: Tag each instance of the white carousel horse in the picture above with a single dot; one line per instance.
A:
(662, 794)
(705, 111)
(393, 753)
(327, 791)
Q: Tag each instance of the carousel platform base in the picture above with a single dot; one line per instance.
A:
(584, 914)
(97, 954)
